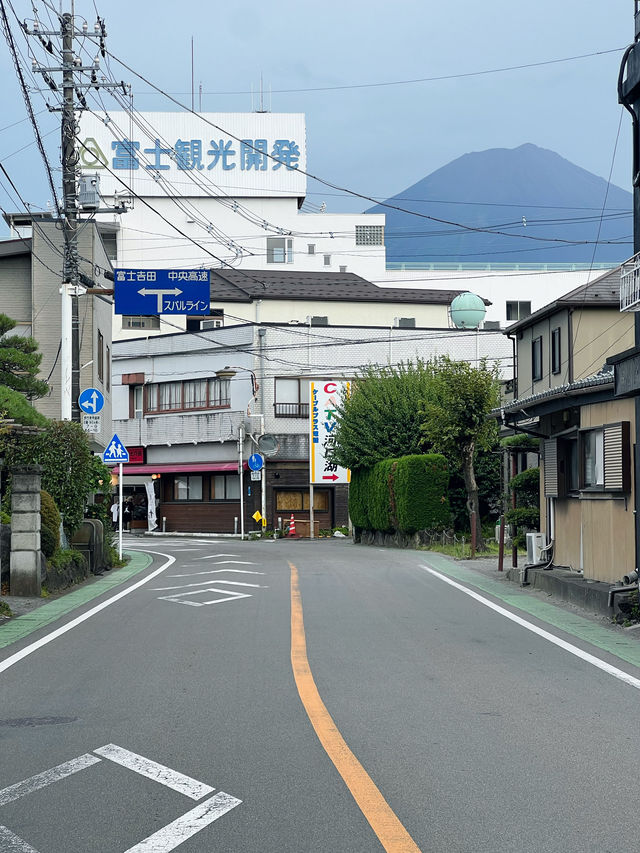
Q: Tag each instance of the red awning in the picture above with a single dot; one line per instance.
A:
(180, 468)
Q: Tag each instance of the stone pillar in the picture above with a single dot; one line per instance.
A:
(24, 566)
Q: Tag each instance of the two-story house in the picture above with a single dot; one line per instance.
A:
(564, 393)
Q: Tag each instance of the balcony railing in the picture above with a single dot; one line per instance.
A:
(630, 285)
(291, 410)
(179, 429)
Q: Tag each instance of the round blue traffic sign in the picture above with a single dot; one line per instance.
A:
(91, 401)
(255, 462)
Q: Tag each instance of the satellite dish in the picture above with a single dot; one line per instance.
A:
(268, 444)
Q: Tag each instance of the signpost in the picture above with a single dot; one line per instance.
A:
(117, 452)
(150, 292)
(91, 401)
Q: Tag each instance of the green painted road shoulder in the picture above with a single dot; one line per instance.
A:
(21, 626)
(608, 639)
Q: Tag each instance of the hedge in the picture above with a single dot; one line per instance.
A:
(420, 485)
(50, 516)
(406, 494)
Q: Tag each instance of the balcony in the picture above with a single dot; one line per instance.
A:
(630, 284)
(179, 429)
(291, 410)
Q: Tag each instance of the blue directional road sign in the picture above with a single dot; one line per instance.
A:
(149, 292)
(255, 462)
(115, 451)
(91, 401)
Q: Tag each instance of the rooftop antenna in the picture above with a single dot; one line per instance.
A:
(193, 94)
(200, 97)
(261, 109)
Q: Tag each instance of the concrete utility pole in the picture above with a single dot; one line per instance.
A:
(73, 102)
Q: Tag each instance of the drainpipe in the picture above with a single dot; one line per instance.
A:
(570, 342)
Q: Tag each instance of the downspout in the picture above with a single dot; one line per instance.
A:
(570, 342)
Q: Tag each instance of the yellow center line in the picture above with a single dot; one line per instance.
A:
(391, 833)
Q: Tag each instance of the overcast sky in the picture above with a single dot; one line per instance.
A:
(380, 139)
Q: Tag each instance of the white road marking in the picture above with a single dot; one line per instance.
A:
(186, 826)
(215, 572)
(227, 596)
(10, 843)
(569, 647)
(23, 653)
(158, 772)
(215, 556)
(204, 583)
(41, 780)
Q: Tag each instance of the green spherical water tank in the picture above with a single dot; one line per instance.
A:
(467, 311)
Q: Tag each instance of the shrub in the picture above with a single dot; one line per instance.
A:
(50, 517)
(380, 492)
(47, 541)
(358, 498)
(420, 492)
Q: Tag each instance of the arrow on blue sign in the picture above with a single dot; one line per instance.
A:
(115, 451)
(91, 401)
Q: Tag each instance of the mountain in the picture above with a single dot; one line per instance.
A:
(525, 192)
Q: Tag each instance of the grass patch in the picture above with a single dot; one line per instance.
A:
(5, 610)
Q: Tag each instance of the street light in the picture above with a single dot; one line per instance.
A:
(228, 373)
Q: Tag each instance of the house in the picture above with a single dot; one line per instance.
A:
(564, 393)
(191, 405)
(30, 280)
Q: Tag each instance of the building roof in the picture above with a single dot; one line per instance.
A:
(21, 246)
(603, 291)
(246, 285)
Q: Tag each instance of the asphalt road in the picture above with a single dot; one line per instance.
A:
(177, 716)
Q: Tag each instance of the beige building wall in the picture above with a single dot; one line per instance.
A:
(597, 334)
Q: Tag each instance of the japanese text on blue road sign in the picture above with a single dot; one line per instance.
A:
(196, 155)
(171, 292)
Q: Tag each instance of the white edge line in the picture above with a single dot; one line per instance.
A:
(186, 785)
(23, 653)
(568, 647)
(175, 833)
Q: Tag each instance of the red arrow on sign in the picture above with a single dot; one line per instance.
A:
(329, 476)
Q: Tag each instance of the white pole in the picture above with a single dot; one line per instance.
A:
(311, 515)
(240, 471)
(120, 509)
(263, 484)
(65, 354)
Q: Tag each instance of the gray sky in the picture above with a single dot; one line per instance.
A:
(375, 140)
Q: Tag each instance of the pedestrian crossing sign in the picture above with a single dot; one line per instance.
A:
(115, 451)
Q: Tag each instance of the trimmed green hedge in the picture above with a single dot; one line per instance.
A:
(406, 494)
(420, 486)
(50, 517)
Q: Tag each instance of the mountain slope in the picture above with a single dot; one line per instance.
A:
(501, 189)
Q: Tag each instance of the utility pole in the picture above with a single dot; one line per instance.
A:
(73, 102)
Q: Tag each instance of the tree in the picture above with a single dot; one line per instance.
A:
(455, 419)
(19, 362)
(381, 418)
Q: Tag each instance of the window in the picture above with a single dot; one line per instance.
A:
(140, 322)
(588, 460)
(100, 356)
(225, 487)
(298, 500)
(592, 458)
(319, 321)
(343, 269)
(198, 323)
(311, 248)
(291, 398)
(406, 322)
(536, 358)
(327, 260)
(187, 488)
(187, 395)
(369, 235)
(518, 310)
(108, 366)
(556, 355)
(279, 250)
(138, 396)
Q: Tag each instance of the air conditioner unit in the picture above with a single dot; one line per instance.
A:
(535, 544)
(215, 323)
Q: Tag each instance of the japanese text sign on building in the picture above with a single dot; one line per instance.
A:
(325, 396)
(150, 292)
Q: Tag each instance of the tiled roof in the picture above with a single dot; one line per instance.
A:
(603, 291)
(604, 377)
(247, 285)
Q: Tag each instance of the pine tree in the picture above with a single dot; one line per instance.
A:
(19, 362)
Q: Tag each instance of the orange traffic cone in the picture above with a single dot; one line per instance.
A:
(292, 526)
